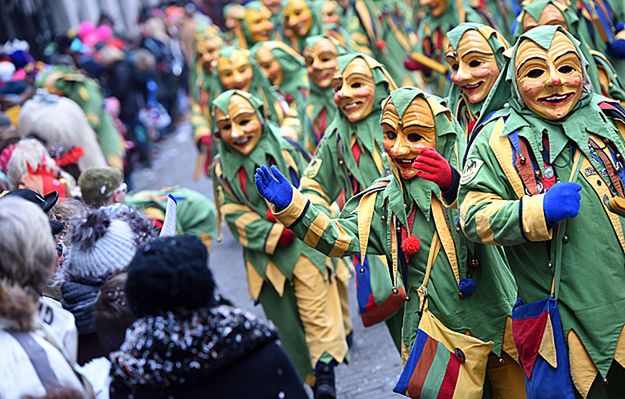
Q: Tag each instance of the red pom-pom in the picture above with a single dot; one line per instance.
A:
(286, 238)
(270, 216)
(381, 44)
(411, 245)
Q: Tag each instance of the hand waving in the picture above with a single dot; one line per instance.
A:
(274, 187)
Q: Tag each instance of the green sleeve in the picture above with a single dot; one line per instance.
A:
(321, 181)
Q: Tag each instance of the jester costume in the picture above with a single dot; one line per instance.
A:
(506, 199)
(87, 93)
(465, 111)
(599, 67)
(433, 41)
(382, 218)
(294, 283)
(386, 27)
(302, 19)
(255, 18)
(320, 108)
(195, 214)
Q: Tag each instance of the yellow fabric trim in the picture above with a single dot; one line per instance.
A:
(206, 240)
(271, 243)
(534, 223)
(242, 220)
(377, 159)
(602, 190)
(503, 152)
(275, 277)
(365, 214)
(507, 344)
(316, 230)
(619, 353)
(474, 198)
(254, 281)
(312, 185)
(154, 213)
(547, 347)
(583, 370)
(342, 242)
(442, 229)
(291, 213)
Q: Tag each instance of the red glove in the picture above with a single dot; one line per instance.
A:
(432, 166)
(270, 216)
(413, 65)
(205, 143)
(286, 238)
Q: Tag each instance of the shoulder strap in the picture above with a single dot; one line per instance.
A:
(38, 358)
(366, 206)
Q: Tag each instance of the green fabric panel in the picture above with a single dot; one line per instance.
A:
(283, 312)
(436, 373)
(394, 326)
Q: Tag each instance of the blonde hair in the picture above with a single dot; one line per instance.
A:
(26, 244)
(28, 152)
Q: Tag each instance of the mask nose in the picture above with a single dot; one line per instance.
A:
(554, 76)
(461, 75)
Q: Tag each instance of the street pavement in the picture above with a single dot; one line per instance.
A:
(375, 364)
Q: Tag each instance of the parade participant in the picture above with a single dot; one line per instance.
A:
(233, 16)
(386, 26)
(475, 57)
(285, 70)
(87, 93)
(349, 159)
(403, 218)
(195, 213)
(275, 7)
(320, 55)
(544, 180)
(202, 87)
(302, 19)
(256, 26)
(295, 285)
(440, 17)
(554, 12)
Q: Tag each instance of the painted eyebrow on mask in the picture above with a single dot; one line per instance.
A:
(567, 53)
(476, 52)
(530, 59)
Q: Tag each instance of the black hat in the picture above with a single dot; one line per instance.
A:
(168, 274)
(45, 203)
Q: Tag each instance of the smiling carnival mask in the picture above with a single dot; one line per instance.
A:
(240, 128)
(354, 90)
(298, 17)
(405, 136)
(550, 15)
(549, 82)
(321, 62)
(235, 72)
(473, 65)
(258, 22)
(269, 64)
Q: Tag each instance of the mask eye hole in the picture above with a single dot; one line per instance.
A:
(390, 134)
(413, 137)
(475, 63)
(535, 73)
(565, 69)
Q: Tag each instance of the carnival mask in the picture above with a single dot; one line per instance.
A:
(550, 16)
(437, 7)
(473, 66)
(241, 128)
(208, 50)
(258, 23)
(298, 17)
(354, 90)
(235, 13)
(274, 6)
(549, 82)
(321, 62)
(329, 12)
(270, 65)
(235, 72)
(405, 137)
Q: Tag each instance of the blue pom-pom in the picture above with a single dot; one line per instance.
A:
(467, 286)
(617, 48)
(619, 26)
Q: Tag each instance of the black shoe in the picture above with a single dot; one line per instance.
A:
(350, 339)
(324, 384)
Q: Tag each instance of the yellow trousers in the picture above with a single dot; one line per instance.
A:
(506, 377)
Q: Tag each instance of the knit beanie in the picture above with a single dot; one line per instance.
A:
(168, 274)
(98, 184)
(99, 246)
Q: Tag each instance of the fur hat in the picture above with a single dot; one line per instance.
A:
(99, 246)
(97, 184)
(170, 273)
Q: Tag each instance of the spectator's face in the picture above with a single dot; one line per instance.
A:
(270, 65)
(258, 23)
(321, 62)
(241, 128)
(550, 82)
(473, 66)
(354, 90)
(298, 17)
(235, 72)
(404, 137)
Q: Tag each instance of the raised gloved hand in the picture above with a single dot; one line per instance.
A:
(274, 187)
(562, 201)
(413, 65)
(432, 166)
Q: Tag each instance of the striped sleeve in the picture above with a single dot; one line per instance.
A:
(493, 206)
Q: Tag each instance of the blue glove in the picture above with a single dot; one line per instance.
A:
(272, 185)
(617, 48)
(562, 201)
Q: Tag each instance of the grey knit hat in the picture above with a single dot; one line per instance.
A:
(99, 247)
